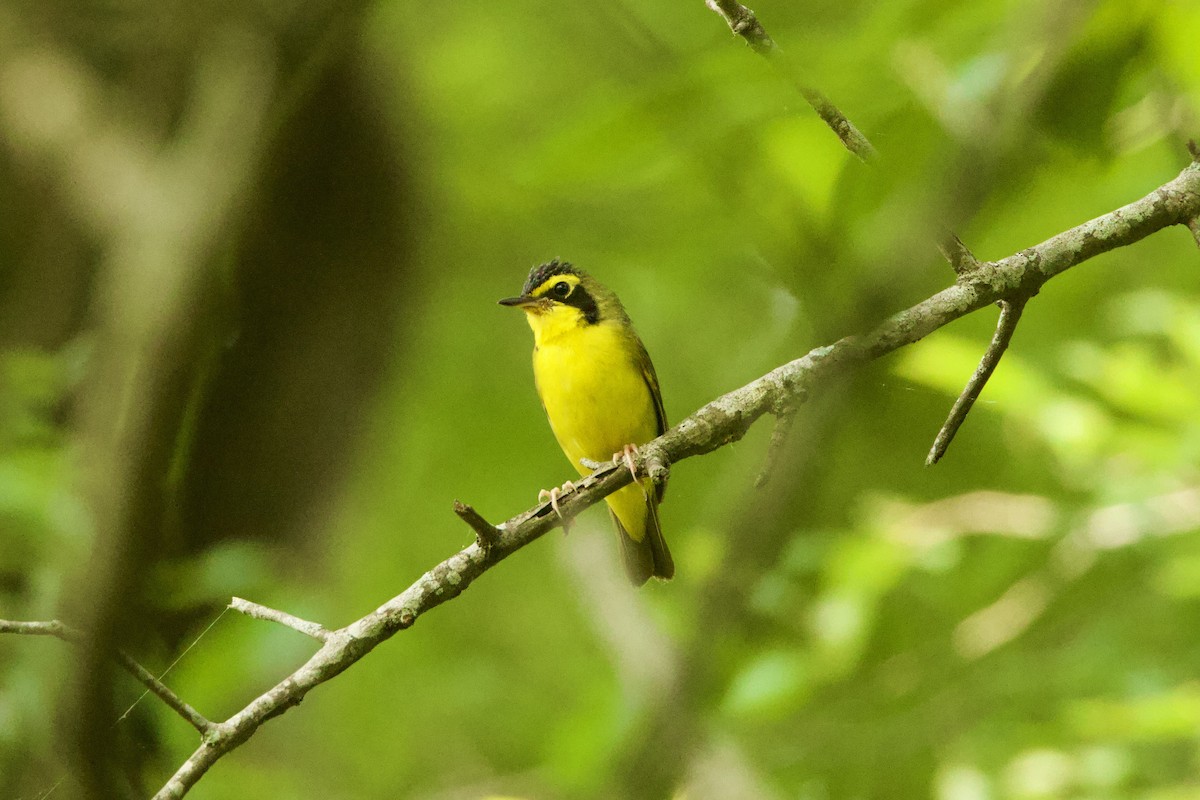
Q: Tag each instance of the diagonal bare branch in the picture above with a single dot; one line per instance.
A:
(742, 21)
(721, 422)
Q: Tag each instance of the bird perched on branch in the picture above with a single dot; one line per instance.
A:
(601, 395)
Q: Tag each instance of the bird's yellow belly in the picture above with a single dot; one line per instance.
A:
(595, 395)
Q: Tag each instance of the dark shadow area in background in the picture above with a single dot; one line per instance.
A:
(270, 374)
(318, 286)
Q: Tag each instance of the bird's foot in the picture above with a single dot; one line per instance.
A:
(625, 455)
(553, 495)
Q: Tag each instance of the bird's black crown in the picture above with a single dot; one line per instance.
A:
(543, 272)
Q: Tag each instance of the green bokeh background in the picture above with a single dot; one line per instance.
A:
(1018, 622)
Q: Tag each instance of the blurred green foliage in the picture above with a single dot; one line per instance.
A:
(1018, 622)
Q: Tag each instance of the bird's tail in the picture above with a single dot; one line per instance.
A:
(649, 557)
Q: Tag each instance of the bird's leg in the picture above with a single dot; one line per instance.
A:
(552, 495)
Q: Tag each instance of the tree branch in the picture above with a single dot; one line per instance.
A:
(65, 632)
(1010, 315)
(1193, 224)
(742, 21)
(721, 422)
(313, 629)
(957, 253)
(784, 419)
(486, 534)
(50, 627)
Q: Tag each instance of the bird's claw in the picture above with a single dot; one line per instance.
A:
(625, 455)
(553, 495)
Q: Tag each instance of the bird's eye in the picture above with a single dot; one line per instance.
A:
(561, 289)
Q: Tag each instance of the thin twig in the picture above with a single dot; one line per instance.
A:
(159, 689)
(745, 24)
(784, 419)
(60, 630)
(314, 629)
(960, 257)
(486, 534)
(742, 21)
(175, 662)
(51, 627)
(721, 422)
(1010, 315)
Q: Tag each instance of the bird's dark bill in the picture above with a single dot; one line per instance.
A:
(523, 300)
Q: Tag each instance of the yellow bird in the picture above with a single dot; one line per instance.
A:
(601, 395)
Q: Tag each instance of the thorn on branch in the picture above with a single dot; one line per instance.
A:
(1010, 315)
(486, 534)
(785, 417)
(313, 629)
(1194, 226)
(1194, 149)
(958, 254)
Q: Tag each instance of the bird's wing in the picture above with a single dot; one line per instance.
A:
(660, 413)
(651, 379)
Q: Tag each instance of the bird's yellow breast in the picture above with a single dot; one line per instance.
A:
(592, 387)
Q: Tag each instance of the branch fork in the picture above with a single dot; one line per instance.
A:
(1010, 315)
(785, 417)
(486, 534)
(960, 257)
(744, 23)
